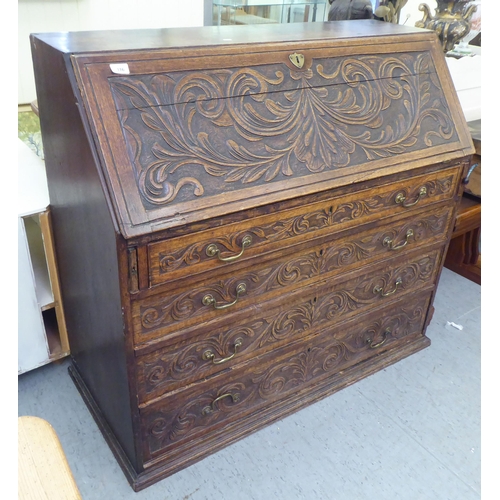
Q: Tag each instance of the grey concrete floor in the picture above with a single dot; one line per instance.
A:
(409, 432)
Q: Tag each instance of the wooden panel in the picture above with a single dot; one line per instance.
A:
(162, 82)
(468, 216)
(179, 365)
(85, 240)
(209, 405)
(48, 240)
(186, 155)
(332, 122)
(463, 255)
(188, 255)
(349, 293)
(43, 469)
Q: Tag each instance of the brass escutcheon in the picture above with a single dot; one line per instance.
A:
(297, 59)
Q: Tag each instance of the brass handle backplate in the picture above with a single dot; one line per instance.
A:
(387, 333)
(213, 407)
(209, 355)
(401, 198)
(208, 299)
(213, 250)
(380, 290)
(388, 242)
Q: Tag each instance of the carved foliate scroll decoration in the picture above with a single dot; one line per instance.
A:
(338, 213)
(200, 133)
(347, 298)
(320, 357)
(167, 369)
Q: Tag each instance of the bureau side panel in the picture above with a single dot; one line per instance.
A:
(86, 246)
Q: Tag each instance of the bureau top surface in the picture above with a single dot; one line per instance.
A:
(191, 124)
(113, 40)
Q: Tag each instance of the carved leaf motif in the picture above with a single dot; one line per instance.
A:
(355, 293)
(181, 361)
(316, 359)
(342, 111)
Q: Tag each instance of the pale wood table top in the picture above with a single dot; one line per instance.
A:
(43, 473)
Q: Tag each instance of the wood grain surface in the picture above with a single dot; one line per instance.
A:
(43, 471)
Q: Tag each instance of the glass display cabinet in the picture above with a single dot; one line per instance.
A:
(267, 11)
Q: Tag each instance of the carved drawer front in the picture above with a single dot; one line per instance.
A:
(158, 316)
(219, 248)
(182, 418)
(216, 347)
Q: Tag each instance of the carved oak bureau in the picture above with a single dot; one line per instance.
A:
(247, 219)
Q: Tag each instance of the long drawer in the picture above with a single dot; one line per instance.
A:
(217, 249)
(204, 350)
(184, 417)
(165, 314)
(214, 347)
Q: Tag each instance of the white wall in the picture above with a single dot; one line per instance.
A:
(38, 16)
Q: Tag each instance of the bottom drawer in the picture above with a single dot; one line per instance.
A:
(185, 419)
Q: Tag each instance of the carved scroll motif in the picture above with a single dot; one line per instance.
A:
(316, 359)
(351, 296)
(288, 228)
(192, 134)
(184, 361)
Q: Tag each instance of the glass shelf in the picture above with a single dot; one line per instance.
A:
(267, 11)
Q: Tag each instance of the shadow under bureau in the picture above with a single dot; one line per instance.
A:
(246, 219)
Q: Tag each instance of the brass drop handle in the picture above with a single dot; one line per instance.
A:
(401, 198)
(209, 300)
(387, 333)
(213, 250)
(213, 407)
(379, 289)
(388, 242)
(209, 355)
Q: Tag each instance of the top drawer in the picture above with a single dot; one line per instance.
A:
(212, 249)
